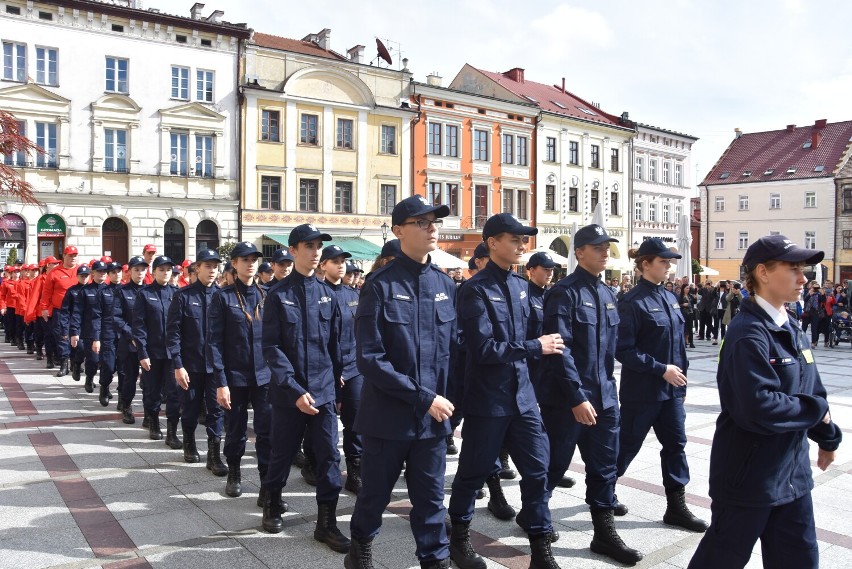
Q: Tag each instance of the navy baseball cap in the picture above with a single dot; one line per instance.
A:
(779, 248)
(264, 268)
(207, 255)
(245, 249)
(306, 232)
(176, 270)
(655, 247)
(505, 223)
(162, 260)
(99, 266)
(83, 270)
(282, 255)
(481, 251)
(416, 206)
(541, 259)
(136, 261)
(471, 264)
(592, 235)
(391, 249)
(113, 267)
(228, 267)
(353, 268)
(333, 251)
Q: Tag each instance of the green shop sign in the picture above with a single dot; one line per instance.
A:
(50, 226)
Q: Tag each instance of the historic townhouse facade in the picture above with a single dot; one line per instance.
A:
(136, 112)
(843, 214)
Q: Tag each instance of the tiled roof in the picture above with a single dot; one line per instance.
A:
(295, 46)
(813, 151)
(550, 98)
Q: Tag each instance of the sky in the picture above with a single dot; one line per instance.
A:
(700, 67)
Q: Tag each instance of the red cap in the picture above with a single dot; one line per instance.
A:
(186, 263)
(149, 248)
(31, 267)
(42, 263)
(124, 268)
(70, 250)
(51, 260)
(106, 259)
(16, 269)
(92, 262)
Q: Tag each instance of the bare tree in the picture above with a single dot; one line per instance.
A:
(13, 142)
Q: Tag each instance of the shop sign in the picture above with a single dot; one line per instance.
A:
(50, 226)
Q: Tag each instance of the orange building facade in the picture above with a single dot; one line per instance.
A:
(475, 154)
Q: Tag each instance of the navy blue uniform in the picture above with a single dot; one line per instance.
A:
(186, 333)
(149, 334)
(772, 402)
(650, 337)
(125, 350)
(234, 349)
(301, 343)
(105, 332)
(66, 316)
(582, 310)
(349, 396)
(535, 324)
(404, 329)
(499, 401)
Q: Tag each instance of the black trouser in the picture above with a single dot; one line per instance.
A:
(38, 333)
(157, 382)
(705, 324)
(688, 327)
(129, 362)
(108, 360)
(201, 389)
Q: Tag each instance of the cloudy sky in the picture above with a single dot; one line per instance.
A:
(698, 67)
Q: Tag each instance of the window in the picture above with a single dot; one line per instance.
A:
(204, 156)
(847, 239)
(640, 169)
(810, 239)
(46, 139)
(180, 142)
(574, 152)
(774, 201)
(117, 28)
(678, 213)
(573, 204)
(847, 199)
(452, 135)
(652, 212)
(14, 10)
(742, 203)
(480, 144)
(270, 192)
(180, 83)
(720, 240)
(46, 66)
(810, 199)
(181, 38)
(308, 195)
(613, 203)
(480, 205)
(667, 213)
(522, 204)
(742, 240)
(453, 199)
(508, 201)
(343, 197)
(595, 198)
(614, 162)
(270, 126)
(638, 212)
(596, 156)
(550, 197)
(678, 175)
(44, 15)
(523, 145)
(388, 143)
(435, 138)
(14, 61)
(720, 203)
(387, 198)
(652, 170)
(666, 168)
(204, 86)
(507, 154)
(115, 150)
(550, 153)
(18, 158)
(344, 133)
(116, 75)
(308, 133)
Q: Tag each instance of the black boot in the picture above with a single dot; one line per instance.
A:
(461, 550)
(21, 344)
(172, 440)
(190, 451)
(30, 348)
(677, 514)
(541, 557)
(51, 364)
(75, 371)
(566, 482)
(233, 487)
(498, 505)
(127, 414)
(436, 564)
(119, 406)
(360, 555)
(508, 473)
(308, 471)
(272, 521)
(606, 540)
(326, 530)
(63, 368)
(451, 445)
(299, 461)
(214, 460)
(619, 509)
(154, 432)
(146, 421)
(353, 475)
(90, 386)
(103, 396)
(40, 354)
(262, 496)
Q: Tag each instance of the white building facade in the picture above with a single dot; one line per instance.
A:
(137, 114)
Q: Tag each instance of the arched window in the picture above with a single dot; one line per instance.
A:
(175, 241)
(206, 235)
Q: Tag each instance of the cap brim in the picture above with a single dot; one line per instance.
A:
(800, 255)
(314, 236)
(343, 254)
(598, 240)
(669, 255)
(549, 265)
(522, 230)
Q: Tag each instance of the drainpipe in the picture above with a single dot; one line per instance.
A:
(240, 150)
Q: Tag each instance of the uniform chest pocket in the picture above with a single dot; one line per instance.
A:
(399, 311)
(325, 311)
(290, 315)
(659, 318)
(586, 315)
(501, 310)
(612, 318)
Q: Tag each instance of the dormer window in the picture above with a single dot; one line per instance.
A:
(725, 176)
(791, 170)
(768, 172)
(747, 173)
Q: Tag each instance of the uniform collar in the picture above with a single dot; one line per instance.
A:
(335, 287)
(649, 285)
(535, 289)
(780, 318)
(411, 265)
(242, 288)
(299, 278)
(498, 270)
(586, 276)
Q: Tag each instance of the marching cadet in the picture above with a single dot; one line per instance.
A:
(57, 282)
(104, 344)
(405, 329)
(10, 303)
(28, 273)
(150, 309)
(499, 403)
(186, 329)
(69, 306)
(351, 276)
(772, 401)
(30, 316)
(652, 353)
(264, 272)
(86, 322)
(149, 251)
(333, 262)
(282, 264)
(301, 344)
(50, 351)
(240, 374)
(581, 309)
(127, 358)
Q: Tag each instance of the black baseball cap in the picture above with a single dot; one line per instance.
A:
(481, 251)
(176, 270)
(471, 264)
(541, 259)
(281, 256)
(655, 247)
(136, 262)
(228, 267)
(416, 206)
(333, 251)
(264, 268)
(113, 267)
(162, 260)
(505, 223)
(306, 232)
(353, 268)
(208, 255)
(83, 270)
(779, 248)
(592, 235)
(99, 266)
(391, 249)
(245, 249)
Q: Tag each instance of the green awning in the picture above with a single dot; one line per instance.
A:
(360, 248)
(279, 238)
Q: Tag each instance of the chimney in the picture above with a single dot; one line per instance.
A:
(563, 85)
(791, 127)
(216, 17)
(433, 79)
(737, 132)
(356, 54)
(515, 74)
(195, 11)
(816, 138)
(324, 38)
(820, 123)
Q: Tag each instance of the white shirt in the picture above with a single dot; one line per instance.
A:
(780, 317)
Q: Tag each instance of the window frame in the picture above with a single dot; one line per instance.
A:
(719, 240)
(180, 92)
(652, 212)
(309, 194)
(117, 71)
(742, 240)
(306, 129)
(270, 127)
(574, 152)
(550, 149)
(205, 86)
(613, 203)
(481, 136)
(48, 141)
(205, 149)
(667, 166)
(639, 211)
(810, 239)
(17, 69)
(678, 175)
(451, 140)
(387, 143)
(810, 199)
(112, 161)
(847, 199)
(614, 160)
(573, 199)
(268, 192)
(507, 148)
(652, 170)
(719, 203)
(595, 156)
(344, 193)
(522, 151)
(175, 149)
(522, 204)
(742, 203)
(550, 197)
(344, 133)
(435, 138)
(774, 201)
(43, 65)
(387, 203)
(847, 239)
(639, 168)
(507, 201)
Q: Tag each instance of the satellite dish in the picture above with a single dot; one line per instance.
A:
(383, 52)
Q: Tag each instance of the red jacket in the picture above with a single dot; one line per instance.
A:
(31, 310)
(57, 282)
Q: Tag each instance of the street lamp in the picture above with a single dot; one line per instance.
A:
(385, 228)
